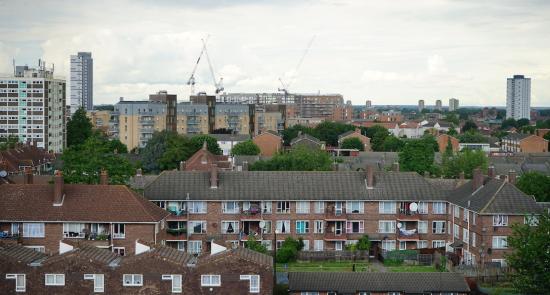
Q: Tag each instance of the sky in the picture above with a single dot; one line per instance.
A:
(390, 52)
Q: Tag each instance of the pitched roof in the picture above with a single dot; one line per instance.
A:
(82, 202)
(353, 282)
(20, 253)
(516, 136)
(495, 196)
(203, 159)
(172, 254)
(240, 252)
(291, 185)
(89, 252)
(305, 136)
(226, 137)
(24, 155)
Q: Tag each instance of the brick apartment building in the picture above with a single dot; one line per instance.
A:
(38, 216)
(154, 269)
(269, 142)
(397, 210)
(524, 143)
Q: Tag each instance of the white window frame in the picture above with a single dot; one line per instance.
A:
(382, 209)
(58, 279)
(388, 245)
(40, 249)
(279, 226)
(254, 282)
(267, 207)
(306, 227)
(302, 207)
(351, 204)
(466, 236)
(383, 230)
(421, 244)
(202, 209)
(119, 231)
(500, 242)
(283, 209)
(191, 226)
(207, 281)
(466, 215)
(306, 245)
(423, 229)
(500, 220)
(423, 208)
(318, 226)
(438, 242)
(175, 287)
(456, 231)
(435, 227)
(67, 229)
(99, 284)
(473, 239)
(319, 207)
(18, 277)
(531, 220)
(225, 226)
(318, 245)
(133, 280)
(439, 208)
(361, 226)
(117, 250)
(234, 210)
(37, 232)
(194, 249)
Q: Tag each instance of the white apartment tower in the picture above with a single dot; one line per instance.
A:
(420, 105)
(32, 107)
(82, 74)
(518, 97)
(453, 104)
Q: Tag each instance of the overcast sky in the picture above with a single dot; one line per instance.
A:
(392, 52)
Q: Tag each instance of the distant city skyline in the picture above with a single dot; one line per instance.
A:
(394, 52)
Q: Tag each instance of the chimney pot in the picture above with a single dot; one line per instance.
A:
(214, 176)
(58, 189)
(139, 172)
(27, 177)
(182, 166)
(477, 178)
(395, 167)
(512, 176)
(103, 177)
(370, 176)
(491, 171)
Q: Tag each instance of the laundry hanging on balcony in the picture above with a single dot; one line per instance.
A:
(407, 232)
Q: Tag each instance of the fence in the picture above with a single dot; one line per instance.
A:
(333, 255)
(408, 256)
(488, 273)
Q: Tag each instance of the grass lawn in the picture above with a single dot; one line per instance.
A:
(331, 266)
(411, 268)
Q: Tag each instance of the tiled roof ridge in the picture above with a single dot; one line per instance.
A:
(141, 203)
(493, 197)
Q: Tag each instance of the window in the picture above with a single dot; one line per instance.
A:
(15, 228)
(132, 280)
(119, 250)
(302, 207)
(438, 244)
(439, 207)
(422, 227)
(320, 207)
(33, 230)
(306, 245)
(283, 226)
(388, 245)
(211, 281)
(422, 244)
(119, 231)
(309, 293)
(456, 231)
(354, 207)
(176, 282)
(268, 244)
(456, 213)
(267, 228)
(474, 215)
(266, 207)
(254, 282)
(73, 230)
(500, 220)
(40, 249)
(466, 215)
(55, 280)
(20, 284)
(99, 281)
(466, 236)
(318, 245)
(473, 239)
(501, 261)
(318, 227)
(197, 207)
(531, 220)
(230, 207)
(438, 227)
(386, 226)
(387, 207)
(283, 207)
(194, 247)
(422, 208)
(197, 227)
(302, 227)
(355, 227)
(230, 227)
(499, 242)
(402, 245)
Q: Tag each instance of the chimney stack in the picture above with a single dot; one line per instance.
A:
(182, 165)
(477, 178)
(370, 176)
(245, 165)
(103, 177)
(395, 167)
(491, 171)
(214, 176)
(58, 193)
(512, 176)
(27, 177)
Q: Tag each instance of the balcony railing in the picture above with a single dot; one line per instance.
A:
(335, 213)
(177, 231)
(8, 235)
(407, 234)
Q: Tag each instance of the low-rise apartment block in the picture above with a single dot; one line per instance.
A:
(524, 143)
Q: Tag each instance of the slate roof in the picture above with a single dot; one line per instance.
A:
(516, 136)
(347, 133)
(291, 185)
(82, 202)
(241, 252)
(226, 137)
(353, 282)
(89, 252)
(22, 254)
(24, 155)
(173, 254)
(495, 196)
(305, 136)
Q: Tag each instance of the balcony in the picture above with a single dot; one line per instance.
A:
(176, 233)
(177, 214)
(336, 214)
(406, 214)
(407, 235)
(335, 236)
(253, 212)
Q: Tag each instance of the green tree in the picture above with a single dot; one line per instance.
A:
(252, 244)
(418, 155)
(522, 122)
(211, 142)
(465, 161)
(245, 148)
(79, 128)
(472, 137)
(8, 142)
(452, 117)
(363, 243)
(329, 131)
(155, 148)
(353, 143)
(292, 132)
(117, 146)
(508, 123)
(536, 184)
(469, 125)
(452, 131)
(393, 144)
(377, 135)
(83, 163)
(298, 159)
(178, 148)
(530, 256)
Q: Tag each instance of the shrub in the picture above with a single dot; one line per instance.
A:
(392, 262)
(286, 254)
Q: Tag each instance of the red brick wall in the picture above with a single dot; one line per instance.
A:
(534, 144)
(268, 143)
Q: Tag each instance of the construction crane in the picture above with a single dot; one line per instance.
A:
(191, 81)
(286, 86)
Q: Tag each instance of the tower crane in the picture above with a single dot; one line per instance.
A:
(191, 81)
(286, 86)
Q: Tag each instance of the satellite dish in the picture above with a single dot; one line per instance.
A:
(3, 173)
(399, 225)
(413, 207)
(262, 224)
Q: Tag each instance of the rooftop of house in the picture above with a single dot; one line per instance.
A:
(516, 136)
(240, 252)
(348, 133)
(274, 133)
(21, 254)
(203, 159)
(353, 282)
(226, 137)
(305, 136)
(12, 160)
